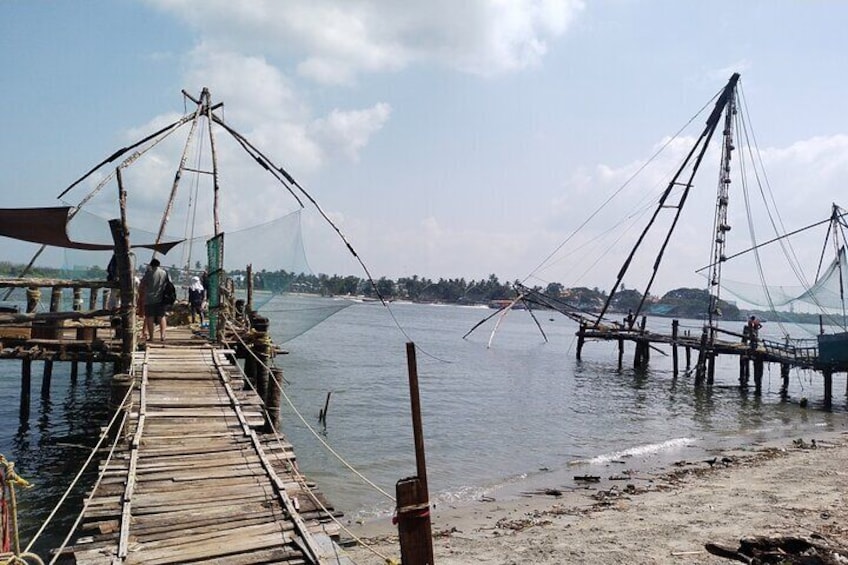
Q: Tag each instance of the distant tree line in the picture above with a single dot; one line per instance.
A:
(679, 303)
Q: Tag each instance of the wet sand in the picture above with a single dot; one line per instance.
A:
(789, 487)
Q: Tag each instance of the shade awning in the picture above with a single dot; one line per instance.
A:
(47, 226)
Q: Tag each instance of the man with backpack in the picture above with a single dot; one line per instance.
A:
(154, 289)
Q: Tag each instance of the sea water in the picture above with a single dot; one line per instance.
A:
(507, 414)
(504, 409)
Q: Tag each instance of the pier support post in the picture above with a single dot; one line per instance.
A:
(703, 353)
(55, 298)
(642, 353)
(711, 360)
(674, 331)
(26, 387)
(74, 371)
(275, 393)
(249, 284)
(758, 374)
(744, 370)
(581, 339)
(261, 349)
(784, 377)
(688, 357)
(47, 378)
(92, 299)
(828, 388)
(413, 498)
(33, 295)
(620, 353)
(121, 238)
(77, 305)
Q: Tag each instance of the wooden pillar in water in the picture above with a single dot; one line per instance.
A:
(121, 238)
(581, 339)
(637, 354)
(646, 345)
(413, 498)
(620, 352)
(272, 403)
(688, 357)
(744, 370)
(77, 305)
(47, 378)
(711, 361)
(703, 353)
(261, 349)
(74, 371)
(55, 298)
(249, 281)
(828, 388)
(92, 299)
(758, 373)
(674, 331)
(784, 377)
(26, 386)
(33, 295)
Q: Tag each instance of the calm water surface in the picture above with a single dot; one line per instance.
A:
(492, 416)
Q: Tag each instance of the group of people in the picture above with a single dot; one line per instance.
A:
(152, 301)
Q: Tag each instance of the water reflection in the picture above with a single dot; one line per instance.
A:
(50, 444)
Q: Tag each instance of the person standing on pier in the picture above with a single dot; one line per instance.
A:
(152, 288)
(196, 296)
(753, 328)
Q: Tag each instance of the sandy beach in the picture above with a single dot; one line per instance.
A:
(793, 487)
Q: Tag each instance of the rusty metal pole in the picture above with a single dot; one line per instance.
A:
(413, 498)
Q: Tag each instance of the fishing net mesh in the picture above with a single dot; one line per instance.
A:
(275, 249)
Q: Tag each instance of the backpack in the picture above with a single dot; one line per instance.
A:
(169, 293)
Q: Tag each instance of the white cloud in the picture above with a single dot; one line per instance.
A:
(350, 131)
(803, 179)
(332, 41)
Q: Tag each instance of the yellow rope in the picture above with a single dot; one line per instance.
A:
(12, 479)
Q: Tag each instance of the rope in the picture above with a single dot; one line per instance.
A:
(88, 500)
(341, 459)
(8, 480)
(301, 479)
(79, 473)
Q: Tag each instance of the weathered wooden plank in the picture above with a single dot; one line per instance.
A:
(205, 487)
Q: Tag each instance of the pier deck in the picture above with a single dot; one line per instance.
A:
(195, 479)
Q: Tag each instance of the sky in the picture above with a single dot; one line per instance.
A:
(444, 139)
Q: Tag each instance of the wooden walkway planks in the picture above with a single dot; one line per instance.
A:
(194, 482)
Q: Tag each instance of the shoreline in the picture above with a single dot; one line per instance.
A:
(781, 487)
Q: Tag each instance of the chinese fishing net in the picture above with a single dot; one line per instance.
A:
(284, 284)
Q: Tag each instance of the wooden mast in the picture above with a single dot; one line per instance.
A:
(702, 143)
(206, 98)
(177, 176)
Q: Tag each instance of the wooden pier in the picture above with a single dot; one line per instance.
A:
(708, 344)
(195, 479)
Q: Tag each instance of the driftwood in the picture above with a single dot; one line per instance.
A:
(783, 550)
